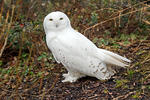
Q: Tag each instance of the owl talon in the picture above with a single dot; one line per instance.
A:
(70, 79)
(66, 75)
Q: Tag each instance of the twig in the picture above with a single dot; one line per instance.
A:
(146, 21)
(125, 96)
(7, 33)
(44, 92)
(108, 91)
(113, 19)
(53, 83)
(146, 59)
(2, 8)
(3, 47)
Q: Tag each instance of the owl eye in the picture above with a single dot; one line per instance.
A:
(50, 19)
(61, 18)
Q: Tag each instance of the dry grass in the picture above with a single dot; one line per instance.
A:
(25, 63)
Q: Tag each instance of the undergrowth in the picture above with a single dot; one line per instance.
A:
(25, 61)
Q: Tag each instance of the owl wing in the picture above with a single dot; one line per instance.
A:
(81, 46)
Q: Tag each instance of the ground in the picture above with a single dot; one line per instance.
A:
(128, 84)
(28, 70)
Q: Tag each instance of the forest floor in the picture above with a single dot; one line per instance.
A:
(28, 70)
(130, 84)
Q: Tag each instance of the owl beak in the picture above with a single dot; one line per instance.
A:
(56, 25)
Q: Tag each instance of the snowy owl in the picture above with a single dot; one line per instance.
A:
(77, 53)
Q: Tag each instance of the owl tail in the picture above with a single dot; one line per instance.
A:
(112, 58)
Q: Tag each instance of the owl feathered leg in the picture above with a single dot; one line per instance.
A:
(72, 76)
(69, 78)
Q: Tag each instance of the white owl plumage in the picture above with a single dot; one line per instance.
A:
(77, 53)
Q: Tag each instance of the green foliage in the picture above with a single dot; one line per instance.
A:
(107, 33)
(115, 45)
(133, 36)
(1, 62)
(124, 37)
(121, 83)
(94, 18)
(100, 41)
(24, 55)
(105, 42)
(144, 28)
(42, 56)
(95, 40)
(136, 95)
(105, 91)
(106, 2)
(126, 42)
(148, 87)
(47, 59)
(130, 73)
(45, 55)
(27, 70)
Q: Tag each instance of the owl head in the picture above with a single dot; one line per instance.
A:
(56, 21)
